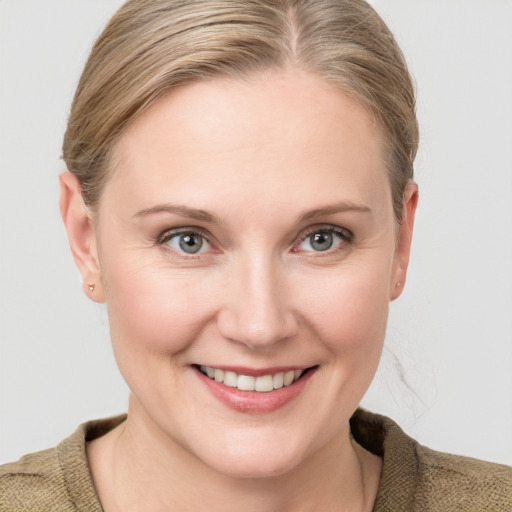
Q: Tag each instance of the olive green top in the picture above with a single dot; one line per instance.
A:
(414, 478)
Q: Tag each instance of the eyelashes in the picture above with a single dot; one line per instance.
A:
(323, 239)
(186, 241)
(192, 242)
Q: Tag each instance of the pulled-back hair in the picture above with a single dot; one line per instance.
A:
(152, 46)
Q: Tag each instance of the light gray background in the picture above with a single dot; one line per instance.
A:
(452, 328)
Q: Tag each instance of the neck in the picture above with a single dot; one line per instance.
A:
(137, 467)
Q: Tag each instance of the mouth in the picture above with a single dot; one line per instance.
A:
(255, 391)
(261, 384)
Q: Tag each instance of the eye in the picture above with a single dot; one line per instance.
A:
(324, 239)
(186, 242)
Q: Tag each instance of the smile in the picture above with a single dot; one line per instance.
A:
(261, 384)
(255, 391)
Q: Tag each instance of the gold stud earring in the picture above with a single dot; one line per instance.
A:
(398, 284)
(91, 287)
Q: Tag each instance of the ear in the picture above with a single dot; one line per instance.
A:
(81, 235)
(404, 240)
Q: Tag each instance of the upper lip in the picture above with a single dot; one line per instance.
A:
(257, 372)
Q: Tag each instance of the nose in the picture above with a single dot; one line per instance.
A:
(257, 308)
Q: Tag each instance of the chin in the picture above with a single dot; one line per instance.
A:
(272, 466)
(256, 459)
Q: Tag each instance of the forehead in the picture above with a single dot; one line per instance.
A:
(274, 133)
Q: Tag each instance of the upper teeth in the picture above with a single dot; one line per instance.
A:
(247, 383)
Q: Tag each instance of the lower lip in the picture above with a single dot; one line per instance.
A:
(254, 402)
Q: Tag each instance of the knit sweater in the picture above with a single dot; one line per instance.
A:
(414, 478)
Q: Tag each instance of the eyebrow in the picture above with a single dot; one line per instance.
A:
(332, 209)
(184, 211)
(205, 216)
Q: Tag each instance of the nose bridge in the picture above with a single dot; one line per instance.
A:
(257, 312)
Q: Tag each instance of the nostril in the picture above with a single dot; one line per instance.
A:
(256, 329)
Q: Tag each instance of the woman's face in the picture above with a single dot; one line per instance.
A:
(248, 230)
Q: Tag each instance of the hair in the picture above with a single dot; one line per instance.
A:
(152, 46)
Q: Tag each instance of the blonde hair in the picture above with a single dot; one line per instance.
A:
(151, 46)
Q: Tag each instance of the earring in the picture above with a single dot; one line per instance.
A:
(91, 287)
(398, 284)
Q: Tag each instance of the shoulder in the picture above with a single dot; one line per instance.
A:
(57, 479)
(453, 482)
(34, 483)
(416, 478)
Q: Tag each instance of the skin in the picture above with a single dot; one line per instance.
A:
(272, 160)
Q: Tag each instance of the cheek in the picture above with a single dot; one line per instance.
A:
(152, 309)
(348, 310)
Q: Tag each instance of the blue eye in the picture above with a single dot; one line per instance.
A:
(323, 240)
(188, 242)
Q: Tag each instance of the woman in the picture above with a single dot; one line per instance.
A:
(240, 195)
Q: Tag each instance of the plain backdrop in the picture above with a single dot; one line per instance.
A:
(452, 328)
